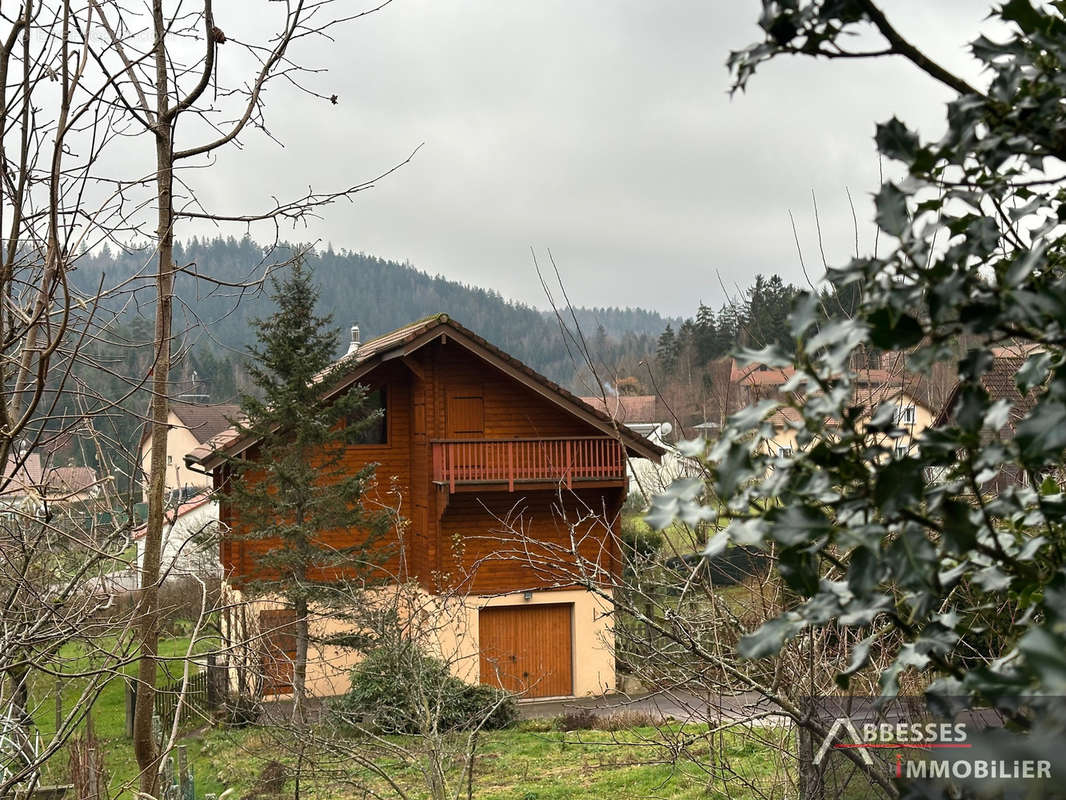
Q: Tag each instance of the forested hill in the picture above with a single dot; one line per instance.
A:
(380, 295)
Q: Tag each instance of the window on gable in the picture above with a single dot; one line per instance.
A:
(785, 452)
(377, 432)
(905, 415)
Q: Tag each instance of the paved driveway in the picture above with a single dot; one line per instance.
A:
(677, 704)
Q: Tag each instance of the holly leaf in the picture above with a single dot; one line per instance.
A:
(896, 141)
(769, 638)
(891, 204)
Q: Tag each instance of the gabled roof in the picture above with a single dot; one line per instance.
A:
(18, 479)
(31, 476)
(70, 479)
(627, 409)
(407, 340)
(872, 386)
(759, 374)
(1000, 383)
(204, 422)
(763, 375)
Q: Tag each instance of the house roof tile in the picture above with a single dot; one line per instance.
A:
(1000, 383)
(205, 421)
(20, 479)
(626, 409)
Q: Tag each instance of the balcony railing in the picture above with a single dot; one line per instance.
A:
(511, 461)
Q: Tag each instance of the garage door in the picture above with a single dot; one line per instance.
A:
(279, 650)
(527, 649)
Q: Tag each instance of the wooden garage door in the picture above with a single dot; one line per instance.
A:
(279, 650)
(527, 649)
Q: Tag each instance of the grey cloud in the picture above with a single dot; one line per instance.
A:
(601, 130)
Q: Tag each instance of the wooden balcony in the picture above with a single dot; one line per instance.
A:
(458, 462)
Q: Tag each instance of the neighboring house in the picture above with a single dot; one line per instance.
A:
(190, 538)
(645, 415)
(872, 388)
(751, 383)
(27, 484)
(1000, 381)
(471, 437)
(190, 520)
(190, 426)
(72, 484)
(912, 417)
(640, 412)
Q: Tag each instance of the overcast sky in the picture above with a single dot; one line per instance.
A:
(599, 129)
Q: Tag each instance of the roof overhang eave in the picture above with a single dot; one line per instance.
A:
(634, 443)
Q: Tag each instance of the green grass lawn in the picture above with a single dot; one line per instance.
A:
(516, 764)
(533, 761)
(108, 713)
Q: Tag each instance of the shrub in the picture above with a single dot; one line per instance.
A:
(629, 719)
(640, 541)
(242, 710)
(578, 719)
(477, 700)
(586, 719)
(403, 690)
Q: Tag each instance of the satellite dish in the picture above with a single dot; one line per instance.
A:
(666, 429)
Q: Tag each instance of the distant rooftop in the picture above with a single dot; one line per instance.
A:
(627, 409)
(205, 421)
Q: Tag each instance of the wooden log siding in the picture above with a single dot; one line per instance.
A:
(495, 542)
(514, 461)
(240, 557)
(526, 446)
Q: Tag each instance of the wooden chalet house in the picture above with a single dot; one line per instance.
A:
(471, 437)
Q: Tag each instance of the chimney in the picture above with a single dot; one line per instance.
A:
(354, 345)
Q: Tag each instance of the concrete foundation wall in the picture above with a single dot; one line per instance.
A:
(448, 627)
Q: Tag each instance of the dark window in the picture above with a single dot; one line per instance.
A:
(377, 431)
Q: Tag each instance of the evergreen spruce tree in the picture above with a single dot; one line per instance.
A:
(668, 352)
(705, 334)
(766, 311)
(296, 492)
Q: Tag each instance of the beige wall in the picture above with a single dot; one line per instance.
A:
(785, 436)
(450, 627)
(179, 442)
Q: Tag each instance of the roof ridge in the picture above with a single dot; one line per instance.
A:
(405, 334)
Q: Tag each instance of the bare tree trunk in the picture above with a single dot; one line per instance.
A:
(299, 669)
(145, 746)
(811, 777)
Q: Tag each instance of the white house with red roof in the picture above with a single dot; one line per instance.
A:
(190, 538)
(646, 415)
